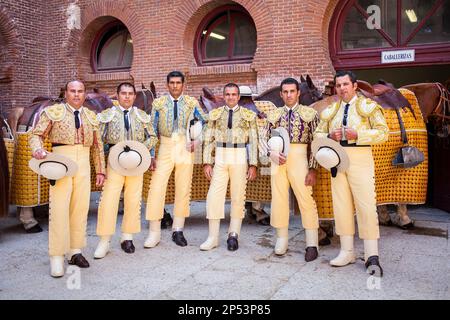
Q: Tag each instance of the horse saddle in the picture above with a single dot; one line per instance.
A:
(385, 94)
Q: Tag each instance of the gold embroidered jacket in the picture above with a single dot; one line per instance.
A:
(162, 116)
(243, 131)
(364, 115)
(57, 122)
(300, 123)
(112, 126)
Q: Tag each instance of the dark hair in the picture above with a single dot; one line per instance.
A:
(232, 85)
(175, 74)
(289, 81)
(343, 73)
(126, 84)
(70, 81)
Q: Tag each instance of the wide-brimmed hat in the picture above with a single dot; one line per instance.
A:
(193, 128)
(279, 141)
(330, 155)
(54, 167)
(129, 158)
(245, 91)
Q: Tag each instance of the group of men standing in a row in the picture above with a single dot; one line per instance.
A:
(229, 137)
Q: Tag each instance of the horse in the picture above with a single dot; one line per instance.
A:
(308, 95)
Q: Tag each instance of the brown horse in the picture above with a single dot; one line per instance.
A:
(4, 173)
(308, 95)
(434, 102)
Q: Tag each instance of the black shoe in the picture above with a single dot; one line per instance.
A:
(79, 260)
(34, 229)
(166, 221)
(232, 243)
(325, 241)
(179, 239)
(373, 266)
(311, 254)
(127, 246)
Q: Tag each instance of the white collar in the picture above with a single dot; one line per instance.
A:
(172, 98)
(123, 109)
(350, 102)
(234, 108)
(292, 108)
(73, 109)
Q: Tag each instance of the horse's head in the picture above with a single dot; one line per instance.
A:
(145, 97)
(308, 91)
(208, 101)
(98, 101)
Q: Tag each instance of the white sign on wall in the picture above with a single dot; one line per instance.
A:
(397, 56)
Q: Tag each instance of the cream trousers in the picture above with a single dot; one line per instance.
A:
(69, 203)
(292, 173)
(109, 203)
(172, 154)
(356, 189)
(230, 164)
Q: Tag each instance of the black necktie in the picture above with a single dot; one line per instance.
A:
(175, 113)
(77, 120)
(344, 120)
(125, 119)
(289, 120)
(230, 119)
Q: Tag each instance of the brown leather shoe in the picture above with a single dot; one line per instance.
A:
(127, 246)
(311, 254)
(79, 260)
(179, 239)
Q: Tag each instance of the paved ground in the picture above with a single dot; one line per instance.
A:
(416, 265)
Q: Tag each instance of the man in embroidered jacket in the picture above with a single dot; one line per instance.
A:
(357, 123)
(122, 122)
(232, 134)
(73, 131)
(297, 170)
(170, 116)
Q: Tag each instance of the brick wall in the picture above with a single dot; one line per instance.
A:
(292, 40)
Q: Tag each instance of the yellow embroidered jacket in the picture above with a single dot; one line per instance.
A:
(57, 122)
(364, 115)
(243, 131)
(112, 126)
(300, 122)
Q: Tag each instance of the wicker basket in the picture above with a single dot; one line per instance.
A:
(27, 188)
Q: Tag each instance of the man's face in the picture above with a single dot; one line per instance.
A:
(231, 96)
(289, 94)
(75, 94)
(126, 97)
(175, 87)
(345, 89)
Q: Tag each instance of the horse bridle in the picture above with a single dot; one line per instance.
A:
(144, 96)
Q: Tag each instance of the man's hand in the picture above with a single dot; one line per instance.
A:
(100, 179)
(208, 170)
(39, 154)
(277, 158)
(336, 134)
(251, 173)
(310, 179)
(351, 134)
(153, 164)
(191, 146)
